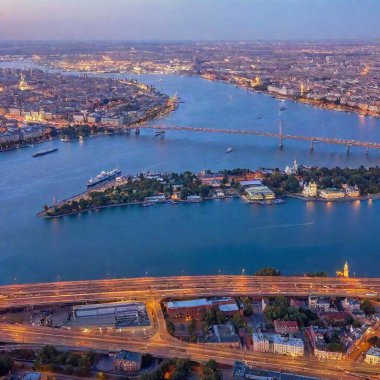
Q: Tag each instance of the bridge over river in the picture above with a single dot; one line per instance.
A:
(161, 129)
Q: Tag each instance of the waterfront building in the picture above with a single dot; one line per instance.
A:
(351, 191)
(211, 179)
(260, 192)
(155, 198)
(346, 271)
(193, 198)
(331, 193)
(310, 189)
(373, 356)
(285, 327)
(127, 361)
(250, 183)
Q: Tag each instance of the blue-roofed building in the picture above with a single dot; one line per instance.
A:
(127, 361)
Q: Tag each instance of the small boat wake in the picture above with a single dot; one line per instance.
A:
(284, 226)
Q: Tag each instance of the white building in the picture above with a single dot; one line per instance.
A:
(310, 190)
(351, 304)
(262, 192)
(319, 303)
(288, 346)
(277, 344)
(260, 342)
(331, 193)
(373, 356)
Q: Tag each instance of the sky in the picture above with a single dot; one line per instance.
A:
(189, 19)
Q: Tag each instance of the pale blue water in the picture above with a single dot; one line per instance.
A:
(200, 238)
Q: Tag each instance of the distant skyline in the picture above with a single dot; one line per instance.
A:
(189, 19)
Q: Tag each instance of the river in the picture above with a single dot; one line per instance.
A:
(223, 235)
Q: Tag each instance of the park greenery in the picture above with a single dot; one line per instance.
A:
(133, 191)
(333, 342)
(367, 307)
(374, 341)
(210, 371)
(366, 179)
(316, 274)
(173, 369)
(69, 363)
(268, 271)
(170, 327)
(279, 308)
(6, 364)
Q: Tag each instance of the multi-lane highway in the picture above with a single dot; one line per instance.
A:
(161, 343)
(146, 288)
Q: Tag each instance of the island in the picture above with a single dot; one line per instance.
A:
(261, 186)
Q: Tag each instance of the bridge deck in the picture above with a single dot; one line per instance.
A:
(279, 136)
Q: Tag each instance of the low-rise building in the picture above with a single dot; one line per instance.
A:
(277, 344)
(352, 191)
(260, 192)
(351, 304)
(127, 361)
(310, 189)
(373, 356)
(288, 346)
(331, 193)
(155, 198)
(193, 198)
(195, 307)
(223, 336)
(319, 303)
(260, 342)
(286, 327)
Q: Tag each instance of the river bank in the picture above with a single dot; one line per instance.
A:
(101, 129)
(262, 186)
(326, 105)
(372, 197)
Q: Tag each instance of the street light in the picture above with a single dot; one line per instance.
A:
(242, 272)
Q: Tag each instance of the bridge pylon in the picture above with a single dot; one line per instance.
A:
(312, 146)
(348, 148)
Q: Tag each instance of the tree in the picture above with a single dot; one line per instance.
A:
(220, 317)
(248, 310)
(367, 307)
(374, 341)
(147, 360)
(316, 274)
(192, 327)
(268, 271)
(171, 327)
(238, 321)
(6, 364)
(210, 371)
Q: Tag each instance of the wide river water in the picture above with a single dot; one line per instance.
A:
(223, 235)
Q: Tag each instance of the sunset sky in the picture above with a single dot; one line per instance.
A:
(189, 19)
